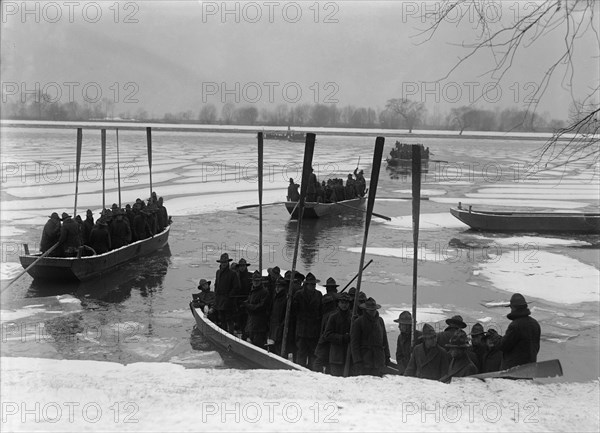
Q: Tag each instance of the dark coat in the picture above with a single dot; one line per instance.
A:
(277, 319)
(245, 285)
(492, 360)
(432, 364)
(120, 234)
(100, 239)
(444, 337)
(88, 225)
(337, 334)
(521, 342)
(141, 230)
(258, 307)
(226, 282)
(369, 342)
(69, 235)
(476, 354)
(50, 234)
(461, 367)
(163, 217)
(404, 349)
(307, 310)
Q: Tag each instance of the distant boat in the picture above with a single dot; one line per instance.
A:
(87, 267)
(541, 222)
(401, 155)
(250, 353)
(317, 210)
(289, 135)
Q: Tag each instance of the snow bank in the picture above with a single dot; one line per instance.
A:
(59, 395)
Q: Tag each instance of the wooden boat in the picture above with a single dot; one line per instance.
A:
(252, 354)
(86, 267)
(546, 222)
(318, 210)
(289, 135)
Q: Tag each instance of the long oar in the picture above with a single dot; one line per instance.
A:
(103, 142)
(149, 142)
(362, 210)
(260, 191)
(309, 149)
(118, 169)
(377, 155)
(52, 248)
(416, 210)
(356, 276)
(77, 165)
(248, 206)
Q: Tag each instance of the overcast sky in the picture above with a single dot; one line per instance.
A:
(172, 56)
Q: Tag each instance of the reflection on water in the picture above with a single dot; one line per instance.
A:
(145, 274)
(402, 168)
(320, 237)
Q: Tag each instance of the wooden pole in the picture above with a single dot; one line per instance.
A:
(103, 141)
(149, 142)
(377, 155)
(77, 166)
(118, 169)
(309, 149)
(416, 210)
(356, 276)
(260, 194)
(52, 248)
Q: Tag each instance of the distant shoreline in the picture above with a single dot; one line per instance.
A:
(242, 129)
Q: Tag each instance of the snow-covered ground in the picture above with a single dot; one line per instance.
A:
(58, 395)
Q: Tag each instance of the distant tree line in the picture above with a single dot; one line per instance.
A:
(398, 114)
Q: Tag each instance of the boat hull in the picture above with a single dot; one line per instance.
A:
(84, 268)
(540, 222)
(252, 354)
(318, 210)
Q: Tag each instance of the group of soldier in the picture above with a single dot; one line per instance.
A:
(332, 190)
(115, 228)
(404, 151)
(323, 332)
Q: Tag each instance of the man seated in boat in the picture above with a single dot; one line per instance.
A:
(51, 233)
(69, 241)
(292, 193)
(205, 300)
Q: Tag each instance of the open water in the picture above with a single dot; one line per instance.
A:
(140, 312)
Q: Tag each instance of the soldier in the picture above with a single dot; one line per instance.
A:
(258, 306)
(100, 237)
(140, 225)
(69, 239)
(245, 286)
(337, 335)
(205, 300)
(521, 342)
(454, 324)
(428, 360)
(311, 191)
(277, 318)
(226, 282)
(328, 307)
(51, 233)
(361, 184)
(163, 216)
(479, 347)
(307, 309)
(88, 225)
(404, 344)
(350, 189)
(492, 360)
(292, 192)
(460, 365)
(368, 340)
(120, 233)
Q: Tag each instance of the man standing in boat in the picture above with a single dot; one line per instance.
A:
(521, 342)
(292, 193)
(51, 233)
(361, 183)
(258, 306)
(311, 192)
(69, 240)
(307, 310)
(226, 283)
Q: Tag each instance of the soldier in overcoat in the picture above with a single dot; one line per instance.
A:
(521, 342)
(428, 360)
(51, 233)
(454, 324)
(404, 343)
(258, 306)
(368, 341)
(460, 364)
(69, 240)
(337, 335)
(226, 283)
(306, 307)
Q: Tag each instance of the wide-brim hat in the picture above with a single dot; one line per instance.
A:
(224, 258)
(243, 262)
(54, 215)
(274, 272)
(370, 304)
(256, 276)
(456, 321)
(459, 340)
(405, 318)
(331, 283)
(65, 216)
(477, 329)
(428, 331)
(203, 281)
(517, 300)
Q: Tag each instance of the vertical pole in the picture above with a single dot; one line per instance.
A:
(118, 169)
(309, 149)
(149, 142)
(260, 194)
(77, 165)
(416, 210)
(377, 155)
(103, 140)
